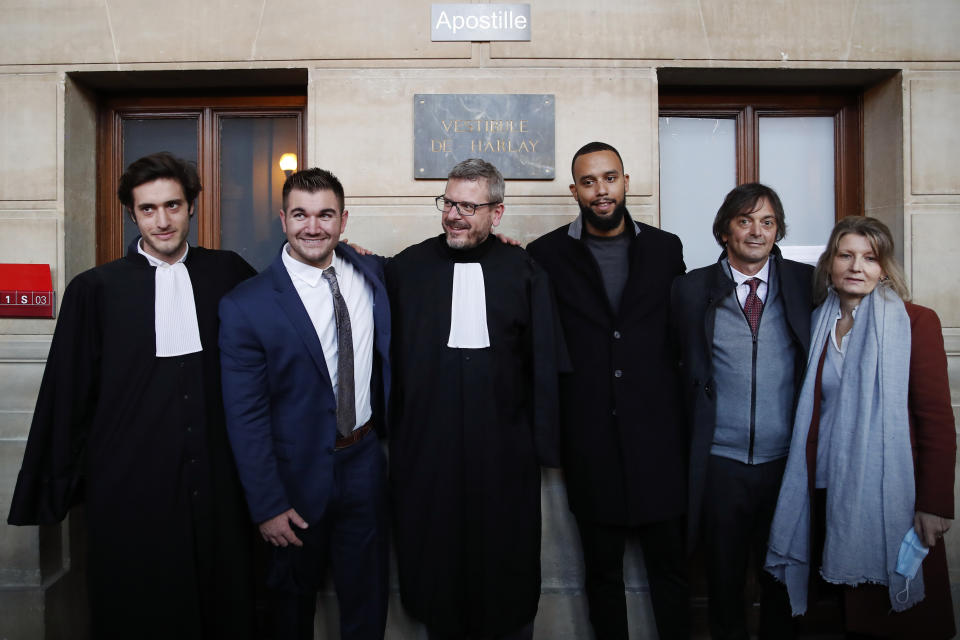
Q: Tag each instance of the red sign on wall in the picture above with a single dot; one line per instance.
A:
(26, 291)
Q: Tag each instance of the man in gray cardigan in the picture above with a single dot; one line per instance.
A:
(743, 326)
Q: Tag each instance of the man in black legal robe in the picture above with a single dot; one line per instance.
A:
(129, 421)
(475, 357)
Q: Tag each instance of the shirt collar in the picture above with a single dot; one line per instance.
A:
(740, 278)
(853, 313)
(307, 273)
(157, 262)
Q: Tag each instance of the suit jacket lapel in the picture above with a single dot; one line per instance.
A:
(640, 268)
(720, 286)
(290, 303)
(583, 265)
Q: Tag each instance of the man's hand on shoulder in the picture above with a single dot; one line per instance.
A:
(278, 532)
(361, 250)
(507, 239)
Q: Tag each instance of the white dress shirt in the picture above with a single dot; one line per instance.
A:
(175, 312)
(841, 346)
(317, 298)
(743, 289)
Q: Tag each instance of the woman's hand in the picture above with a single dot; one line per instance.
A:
(930, 528)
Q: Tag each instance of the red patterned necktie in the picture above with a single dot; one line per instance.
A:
(753, 307)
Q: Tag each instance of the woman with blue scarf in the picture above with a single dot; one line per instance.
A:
(868, 486)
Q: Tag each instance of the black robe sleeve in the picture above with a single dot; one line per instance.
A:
(241, 268)
(549, 360)
(51, 476)
(395, 401)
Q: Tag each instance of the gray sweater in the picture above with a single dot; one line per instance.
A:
(754, 381)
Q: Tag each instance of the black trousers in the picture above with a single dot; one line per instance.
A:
(738, 506)
(665, 559)
(523, 633)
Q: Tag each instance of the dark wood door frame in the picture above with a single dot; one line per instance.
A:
(747, 106)
(207, 111)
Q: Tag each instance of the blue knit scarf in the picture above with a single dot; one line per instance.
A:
(870, 481)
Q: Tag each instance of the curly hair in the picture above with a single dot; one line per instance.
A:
(156, 166)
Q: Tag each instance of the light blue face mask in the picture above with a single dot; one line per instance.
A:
(912, 553)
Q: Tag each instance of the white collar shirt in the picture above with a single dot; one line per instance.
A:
(840, 346)
(743, 289)
(317, 299)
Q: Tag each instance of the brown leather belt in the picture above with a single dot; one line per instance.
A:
(356, 436)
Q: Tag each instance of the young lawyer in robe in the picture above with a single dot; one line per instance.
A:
(306, 376)
(129, 421)
(476, 354)
(621, 427)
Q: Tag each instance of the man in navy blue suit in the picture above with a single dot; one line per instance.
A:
(306, 377)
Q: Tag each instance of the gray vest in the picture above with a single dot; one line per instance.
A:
(754, 383)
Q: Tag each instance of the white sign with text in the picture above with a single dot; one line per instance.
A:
(479, 22)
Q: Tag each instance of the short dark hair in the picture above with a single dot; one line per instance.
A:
(475, 169)
(746, 199)
(156, 166)
(311, 181)
(593, 147)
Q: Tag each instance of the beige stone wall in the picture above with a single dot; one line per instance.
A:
(71, 32)
(374, 159)
(931, 179)
(932, 182)
(742, 30)
(365, 62)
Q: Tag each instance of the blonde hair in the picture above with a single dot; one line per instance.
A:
(881, 241)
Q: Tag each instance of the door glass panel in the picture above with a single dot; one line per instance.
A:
(251, 184)
(797, 160)
(697, 169)
(143, 136)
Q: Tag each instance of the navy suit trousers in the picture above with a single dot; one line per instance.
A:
(352, 539)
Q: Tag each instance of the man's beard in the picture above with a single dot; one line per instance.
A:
(604, 223)
(474, 237)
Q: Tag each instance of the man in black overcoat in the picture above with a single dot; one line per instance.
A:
(622, 439)
(743, 326)
(129, 421)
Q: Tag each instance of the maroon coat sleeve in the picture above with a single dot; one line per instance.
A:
(932, 431)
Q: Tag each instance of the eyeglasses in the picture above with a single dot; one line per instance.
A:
(463, 208)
